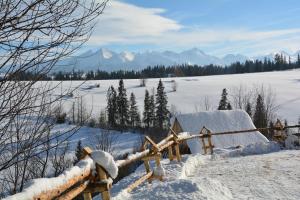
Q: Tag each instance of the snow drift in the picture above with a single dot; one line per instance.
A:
(220, 121)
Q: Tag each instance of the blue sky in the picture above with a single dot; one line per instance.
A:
(218, 27)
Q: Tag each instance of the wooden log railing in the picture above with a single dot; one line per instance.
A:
(87, 183)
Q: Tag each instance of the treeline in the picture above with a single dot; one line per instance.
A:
(280, 63)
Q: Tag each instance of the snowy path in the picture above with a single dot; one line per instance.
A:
(268, 176)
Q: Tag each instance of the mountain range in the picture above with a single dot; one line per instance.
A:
(108, 60)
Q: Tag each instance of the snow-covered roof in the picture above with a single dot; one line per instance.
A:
(220, 121)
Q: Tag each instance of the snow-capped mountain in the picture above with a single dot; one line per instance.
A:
(107, 60)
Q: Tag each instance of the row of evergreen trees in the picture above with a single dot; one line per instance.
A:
(280, 63)
(123, 113)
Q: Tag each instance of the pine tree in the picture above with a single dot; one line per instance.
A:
(260, 116)
(146, 118)
(248, 109)
(224, 104)
(78, 152)
(134, 116)
(111, 106)
(298, 60)
(162, 112)
(122, 105)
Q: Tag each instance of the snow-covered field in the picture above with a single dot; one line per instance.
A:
(192, 91)
(117, 142)
(268, 176)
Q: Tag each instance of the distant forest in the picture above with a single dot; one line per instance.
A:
(280, 63)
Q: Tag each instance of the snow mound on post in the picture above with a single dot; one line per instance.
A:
(106, 161)
(220, 121)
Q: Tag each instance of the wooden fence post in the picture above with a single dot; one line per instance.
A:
(103, 177)
(177, 150)
(170, 153)
(206, 133)
(157, 161)
(211, 146)
(87, 196)
(86, 152)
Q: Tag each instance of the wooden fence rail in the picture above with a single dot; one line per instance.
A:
(88, 183)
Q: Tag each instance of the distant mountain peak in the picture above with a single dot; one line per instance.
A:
(105, 53)
(108, 60)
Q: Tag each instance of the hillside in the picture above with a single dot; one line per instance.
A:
(193, 92)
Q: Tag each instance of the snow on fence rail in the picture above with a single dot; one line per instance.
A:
(94, 173)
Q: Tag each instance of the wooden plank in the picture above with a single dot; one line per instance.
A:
(151, 156)
(74, 192)
(173, 133)
(97, 187)
(51, 194)
(155, 147)
(139, 181)
(86, 151)
(166, 145)
(127, 161)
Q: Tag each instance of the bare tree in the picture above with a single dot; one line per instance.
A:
(143, 82)
(207, 103)
(174, 86)
(34, 36)
(106, 141)
(59, 158)
(241, 95)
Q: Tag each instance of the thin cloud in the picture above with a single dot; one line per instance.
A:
(127, 24)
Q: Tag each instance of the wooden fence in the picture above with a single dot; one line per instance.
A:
(100, 182)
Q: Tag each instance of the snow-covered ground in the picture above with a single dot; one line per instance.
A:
(274, 175)
(119, 143)
(192, 91)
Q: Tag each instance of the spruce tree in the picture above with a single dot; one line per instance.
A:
(122, 105)
(111, 107)
(152, 110)
(162, 112)
(260, 116)
(298, 60)
(146, 117)
(224, 104)
(134, 116)
(78, 152)
(248, 109)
